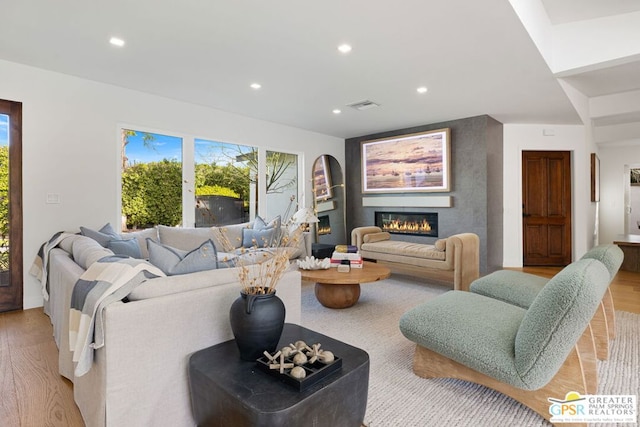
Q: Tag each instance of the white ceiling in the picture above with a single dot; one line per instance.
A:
(475, 57)
(609, 80)
(563, 11)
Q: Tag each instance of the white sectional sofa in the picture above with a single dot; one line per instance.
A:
(139, 377)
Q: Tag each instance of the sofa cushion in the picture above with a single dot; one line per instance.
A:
(86, 251)
(102, 236)
(174, 261)
(128, 247)
(170, 285)
(161, 286)
(141, 236)
(227, 259)
(376, 237)
(408, 249)
(295, 249)
(225, 238)
(185, 238)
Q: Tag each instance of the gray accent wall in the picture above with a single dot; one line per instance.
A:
(476, 186)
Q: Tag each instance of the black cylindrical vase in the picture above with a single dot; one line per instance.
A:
(256, 322)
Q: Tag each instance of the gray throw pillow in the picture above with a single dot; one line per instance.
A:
(102, 236)
(257, 238)
(262, 234)
(174, 261)
(129, 247)
(260, 224)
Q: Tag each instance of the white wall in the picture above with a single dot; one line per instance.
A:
(519, 138)
(613, 182)
(71, 147)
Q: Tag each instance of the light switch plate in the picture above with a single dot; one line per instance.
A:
(53, 198)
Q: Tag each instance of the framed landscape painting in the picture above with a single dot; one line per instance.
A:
(405, 163)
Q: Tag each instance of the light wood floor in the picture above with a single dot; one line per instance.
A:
(32, 394)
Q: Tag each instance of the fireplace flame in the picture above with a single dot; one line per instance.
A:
(324, 229)
(407, 226)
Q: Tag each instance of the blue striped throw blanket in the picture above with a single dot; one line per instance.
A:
(40, 267)
(107, 280)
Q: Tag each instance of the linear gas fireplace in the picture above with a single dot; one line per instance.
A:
(324, 225)
(412, 223)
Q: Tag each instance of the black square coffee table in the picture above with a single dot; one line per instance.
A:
(227, 391)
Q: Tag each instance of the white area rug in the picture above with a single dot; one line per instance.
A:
(397, 397)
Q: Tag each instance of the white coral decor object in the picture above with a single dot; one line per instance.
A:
(311, 263)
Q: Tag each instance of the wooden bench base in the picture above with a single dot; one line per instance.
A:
(444, 277)
(570, 377)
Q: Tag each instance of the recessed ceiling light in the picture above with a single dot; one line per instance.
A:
(344, 48)
(116, 41)
(337, 111)
(422, 89)
(256, 86)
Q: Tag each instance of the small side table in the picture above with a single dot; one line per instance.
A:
(630, 245)
(227, 391)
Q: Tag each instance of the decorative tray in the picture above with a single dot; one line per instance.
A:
(315, 371)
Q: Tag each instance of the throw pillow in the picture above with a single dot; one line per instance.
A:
(262, 234)
(260, 224)
(376, 237)
(257, 238)
(441, 244)
(129, 247)
(174, 261)
(102, 236)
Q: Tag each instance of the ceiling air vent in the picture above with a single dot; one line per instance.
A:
(363, 105)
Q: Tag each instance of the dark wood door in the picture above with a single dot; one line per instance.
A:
(546, 207)
(11, 210)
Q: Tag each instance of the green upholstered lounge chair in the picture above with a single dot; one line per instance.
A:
(528, 354)
(518, 288)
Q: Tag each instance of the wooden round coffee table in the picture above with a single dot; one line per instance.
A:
(342, 290)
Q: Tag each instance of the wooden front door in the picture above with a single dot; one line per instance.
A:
(11, 208)
(546, 207)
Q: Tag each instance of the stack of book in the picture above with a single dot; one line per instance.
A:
(346, 249)
(349, 253)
